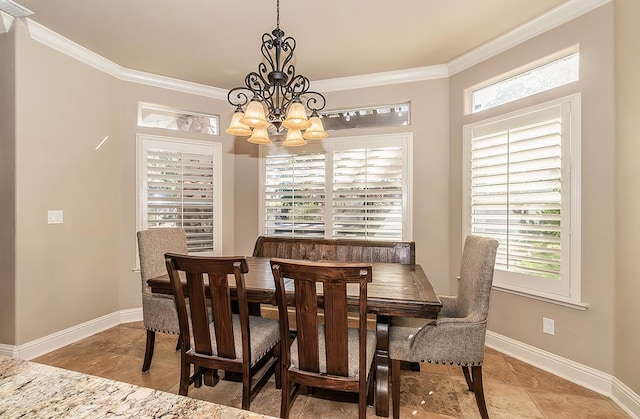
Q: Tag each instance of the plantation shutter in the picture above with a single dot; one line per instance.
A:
(179, 182)
(516, 195)
(295, 195)
(367, 193)
(342, 188)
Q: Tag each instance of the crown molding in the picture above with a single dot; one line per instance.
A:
(383, 78)
(156, 80)
(545, 22)
(5, 22)
(58, 42)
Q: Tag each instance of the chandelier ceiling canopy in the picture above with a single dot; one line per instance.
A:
(276, 97)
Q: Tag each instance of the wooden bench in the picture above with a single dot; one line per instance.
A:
(341, 250)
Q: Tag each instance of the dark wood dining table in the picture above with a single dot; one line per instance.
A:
(396, 290)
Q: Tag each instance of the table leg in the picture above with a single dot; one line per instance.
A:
(382, 369)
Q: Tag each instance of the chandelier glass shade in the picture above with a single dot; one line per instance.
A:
(276, 98)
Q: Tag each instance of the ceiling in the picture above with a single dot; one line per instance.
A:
(216, 43)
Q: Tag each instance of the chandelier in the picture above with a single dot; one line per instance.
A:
(275, 97)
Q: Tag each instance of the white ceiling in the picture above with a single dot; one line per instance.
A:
(216, 43)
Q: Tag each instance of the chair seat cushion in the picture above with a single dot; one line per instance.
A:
(265, 334)
(353, 345)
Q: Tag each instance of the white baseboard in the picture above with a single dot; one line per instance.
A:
(626, 398)
(68, 336)
(583, 375)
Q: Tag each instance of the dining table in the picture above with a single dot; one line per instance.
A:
(396, 290)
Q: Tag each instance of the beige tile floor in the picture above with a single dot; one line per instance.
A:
(513, 389)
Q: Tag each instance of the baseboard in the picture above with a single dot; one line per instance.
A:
(575, 372)
(626, 398)
(68, 336)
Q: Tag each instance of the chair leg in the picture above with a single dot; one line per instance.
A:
(285, 398)
(185, 369)
(362, 402)
(372, 382)
(148, 351)
(479, 392)
(246, 390)
(395, 387)
(467, 377)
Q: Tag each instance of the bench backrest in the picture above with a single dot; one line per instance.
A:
(336, 250)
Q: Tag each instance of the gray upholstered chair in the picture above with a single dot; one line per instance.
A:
(158, 310)
(457, 336)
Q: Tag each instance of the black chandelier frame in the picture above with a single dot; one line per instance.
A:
(277, 85)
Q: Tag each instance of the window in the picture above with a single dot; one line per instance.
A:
(521, 182)
(346, 188)
(179, 187)
(552, 74)
(377, 116)
(156, 116)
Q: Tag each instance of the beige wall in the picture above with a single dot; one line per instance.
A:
(627, 61)
(7, 188)
(66, 273)
(429, 116)
(583, 336)
(131, 95)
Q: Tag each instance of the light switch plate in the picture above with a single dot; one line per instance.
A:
(548, 326)
(55, 217)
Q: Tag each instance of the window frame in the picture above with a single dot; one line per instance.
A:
(517, 283)
(180, 144)
(332, 144)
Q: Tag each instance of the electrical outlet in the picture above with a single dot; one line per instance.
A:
(548, 326)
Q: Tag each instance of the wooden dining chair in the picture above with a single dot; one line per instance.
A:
(330, 355)
(457, 336)
(158, 310)
(237, 343)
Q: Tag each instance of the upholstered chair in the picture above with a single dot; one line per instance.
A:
(457, 336)
(158, 310)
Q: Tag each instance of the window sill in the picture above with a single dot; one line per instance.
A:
(547, 299)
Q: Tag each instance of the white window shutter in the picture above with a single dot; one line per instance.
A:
(179, 183)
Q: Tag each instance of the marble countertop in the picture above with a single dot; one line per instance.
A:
(32, 390)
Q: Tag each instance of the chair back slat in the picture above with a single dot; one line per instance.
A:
(307, 325)
(197, 312)
(336, 325)
(222, 317)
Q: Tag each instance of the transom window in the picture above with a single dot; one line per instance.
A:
(347, 188)
(552, 74)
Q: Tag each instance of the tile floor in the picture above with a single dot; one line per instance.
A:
(513, 389)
